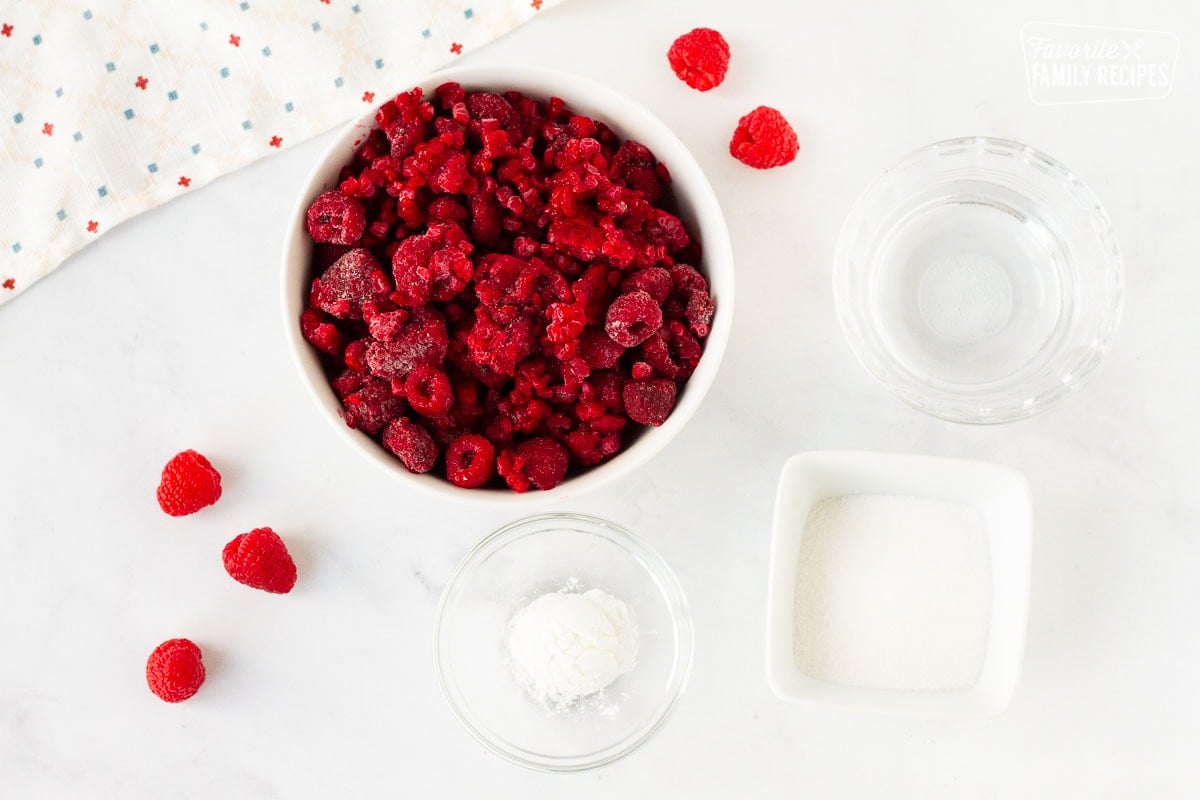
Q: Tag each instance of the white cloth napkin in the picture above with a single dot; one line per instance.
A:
(111, 107)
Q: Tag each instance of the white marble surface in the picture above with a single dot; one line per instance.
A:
(166, 334)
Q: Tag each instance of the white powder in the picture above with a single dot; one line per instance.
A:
(893, 592)
(567, 645)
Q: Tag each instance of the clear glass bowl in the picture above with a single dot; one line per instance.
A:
(513, 566)
(979, 280)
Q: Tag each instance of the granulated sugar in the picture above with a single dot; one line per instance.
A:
(893, 592)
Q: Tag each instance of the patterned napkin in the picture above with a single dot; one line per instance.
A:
(111, 107)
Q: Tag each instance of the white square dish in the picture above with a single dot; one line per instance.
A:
(1001, 496)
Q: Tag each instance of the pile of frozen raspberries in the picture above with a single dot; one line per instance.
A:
(501, 290)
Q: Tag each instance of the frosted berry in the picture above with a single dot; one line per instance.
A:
(189, 483)
(633, 318)
(353, 280)
(428, 391)
(700, 58)
(470, 460)
(259, 559)
(175, 670)
(539, 463)
(764, 139)
(412, 444)
(334, 218)
(649, 402)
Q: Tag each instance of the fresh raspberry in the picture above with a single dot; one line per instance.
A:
(649, 402)
(175, 670)
(428, 391)
(412, 444)
(700, 58)
(633, 318)
(353, 280)
(336, 219)
(540, 462)
(189, 483)
(470, 460)
(259, 559)
(764, 139)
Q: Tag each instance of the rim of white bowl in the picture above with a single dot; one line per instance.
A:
(632, 120)
(673, 594)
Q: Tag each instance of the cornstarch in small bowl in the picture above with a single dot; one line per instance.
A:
(893, 592)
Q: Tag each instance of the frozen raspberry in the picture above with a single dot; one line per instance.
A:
(189, 483)
(325, 336)
(540, 462)
(633, 318)
(764, 139)
(535, 271)
(687, 279)
(649, 402)
(599, 350)
(423, 340)
(371, 407)
(259, 559)
(412, 444)
(336, 219)
(485, 105)
(654, 281)
(175, 670)
(435, 265)
(700, 58)
(354, 279)
(428, 391)
(470, 460)
(700, 313)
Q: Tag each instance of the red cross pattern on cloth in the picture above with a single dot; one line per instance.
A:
(275, 141)
(142, 82)
(235, 40)
(456, 48)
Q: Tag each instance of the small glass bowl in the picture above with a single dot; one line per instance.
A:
(979, 280)
(513, 566)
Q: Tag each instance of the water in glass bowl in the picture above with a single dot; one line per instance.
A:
(968, 288)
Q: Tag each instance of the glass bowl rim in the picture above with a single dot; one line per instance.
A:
(669, 587)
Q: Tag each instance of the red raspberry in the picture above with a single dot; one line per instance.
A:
(699, 313)
(354, 279)
(655, 281)
(598, 350)
(633, 318)
(336, 219)
(259, 559)
(700, 58)
(469, 461)
(435, 265)
(175, 670)
(764, 139)
(371, 408)
(423, 340)
(428, 391)
(540, 462)
(649, 402)
(325, 336)
(412, 444)
(189, 483)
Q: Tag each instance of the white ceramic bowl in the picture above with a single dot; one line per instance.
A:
(1000, 494)
(695, 203)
